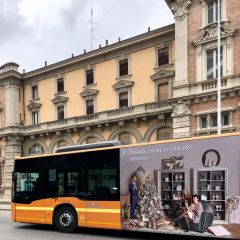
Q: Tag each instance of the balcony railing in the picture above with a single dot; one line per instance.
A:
(211, 85)
(102, 117)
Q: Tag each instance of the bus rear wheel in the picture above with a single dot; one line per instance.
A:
(66, 220)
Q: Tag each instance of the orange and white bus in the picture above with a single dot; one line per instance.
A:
(89, 186)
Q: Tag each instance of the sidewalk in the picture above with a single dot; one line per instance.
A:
(5, 215)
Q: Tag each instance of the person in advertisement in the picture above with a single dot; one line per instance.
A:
(133, 195)
(192, 213)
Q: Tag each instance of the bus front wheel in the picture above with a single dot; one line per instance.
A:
(66, 220)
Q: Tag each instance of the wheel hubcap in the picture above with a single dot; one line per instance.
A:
(66, 219)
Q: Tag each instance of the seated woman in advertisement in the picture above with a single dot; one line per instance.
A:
(182, 204)
(192, 214)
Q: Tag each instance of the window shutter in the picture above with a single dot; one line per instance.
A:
(163, 92)
(164, 133)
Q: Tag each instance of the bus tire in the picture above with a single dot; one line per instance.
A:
(66, 220)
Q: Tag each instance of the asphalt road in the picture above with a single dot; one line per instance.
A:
(20, 231)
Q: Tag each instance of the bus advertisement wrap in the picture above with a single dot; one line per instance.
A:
(182, 187)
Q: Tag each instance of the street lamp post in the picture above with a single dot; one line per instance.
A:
(219, 128)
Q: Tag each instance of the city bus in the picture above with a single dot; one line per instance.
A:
(89, 185)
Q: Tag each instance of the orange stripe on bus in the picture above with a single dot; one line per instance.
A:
(90, 210)
(30, 219)
(34, 208)
(98, 210)
(103, 223)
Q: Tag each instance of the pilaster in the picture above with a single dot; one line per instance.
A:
(13, 147)
(181, 120)
(180, 10)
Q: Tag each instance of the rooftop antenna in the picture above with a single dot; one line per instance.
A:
(92, 29)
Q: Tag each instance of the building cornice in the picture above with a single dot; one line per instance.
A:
(11, 131)
(209, 33)
(59, 100)
(162, 74)
(10, 75)
(224, 109)
(123, 84)
(34, 106)
(95, 54)
(89, 93)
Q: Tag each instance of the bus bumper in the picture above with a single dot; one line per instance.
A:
(13, 211)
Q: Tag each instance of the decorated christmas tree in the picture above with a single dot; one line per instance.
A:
(149, 213)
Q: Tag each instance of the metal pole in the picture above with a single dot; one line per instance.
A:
(219, 73)
(91, 29)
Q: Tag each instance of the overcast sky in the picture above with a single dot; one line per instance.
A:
(35, 31)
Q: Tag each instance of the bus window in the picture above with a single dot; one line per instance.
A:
(27, 182)
(102, 182)
(60, 183)
(72, 183)
(102, 175)
(27, 187)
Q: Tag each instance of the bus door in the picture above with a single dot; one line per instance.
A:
(64, 186)
(103, 207)
(30, 207)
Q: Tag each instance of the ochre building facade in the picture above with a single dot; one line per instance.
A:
(155, 86)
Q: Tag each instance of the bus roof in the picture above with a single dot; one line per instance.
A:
(88, 146)
(75, 151)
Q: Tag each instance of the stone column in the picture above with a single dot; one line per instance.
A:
(12, 148)
(12, 104)
(181, 120)
(180, 10)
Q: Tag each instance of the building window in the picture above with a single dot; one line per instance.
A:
(163, 57)
(225, 119)
(91, 140)
(164, 133)
(89, 107)
(123, 99)
(209, 121)
(124, 138)
(212, 66)
(212, 11)
(90, 77)
(203, 121)
(60, 112)
(123, 67)
(60, 85)
(213, 120)
(62, 143)
(36, 149)
(35, 118)
(162, 92)
(35, 92)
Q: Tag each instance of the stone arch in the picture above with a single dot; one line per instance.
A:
(59, 139)
(131, 130)
(151, 130)
(90, 134)
(40, 142)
